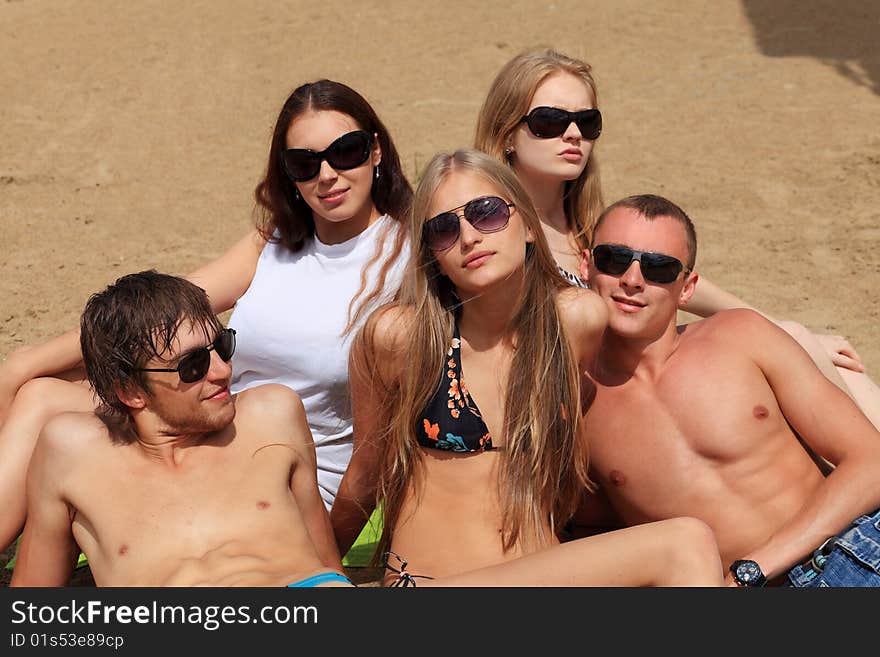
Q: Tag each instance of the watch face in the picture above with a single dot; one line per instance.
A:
(748, 572)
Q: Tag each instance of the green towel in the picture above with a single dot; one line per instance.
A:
(365, 544)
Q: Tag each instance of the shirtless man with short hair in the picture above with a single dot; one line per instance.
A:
(704, 419)
(174, 481)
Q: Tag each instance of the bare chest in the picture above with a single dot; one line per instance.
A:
(135, 514)
(697, 415)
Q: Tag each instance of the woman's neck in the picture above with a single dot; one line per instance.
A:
(337, 232)
(548, 197)
(485, 317)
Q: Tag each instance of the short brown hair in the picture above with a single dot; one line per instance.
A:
(651, 206)
(123, 327)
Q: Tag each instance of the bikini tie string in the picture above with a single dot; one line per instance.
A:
(404, 579)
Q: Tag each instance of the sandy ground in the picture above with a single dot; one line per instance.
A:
(132, 134)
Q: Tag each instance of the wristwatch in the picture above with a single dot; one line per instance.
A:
(747, 573)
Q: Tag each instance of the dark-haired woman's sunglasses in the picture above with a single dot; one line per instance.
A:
(488, 214)
(656, 267)
(547, 122)
(195, 365)
(348, 152)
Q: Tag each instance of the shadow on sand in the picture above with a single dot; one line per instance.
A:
(840, 33)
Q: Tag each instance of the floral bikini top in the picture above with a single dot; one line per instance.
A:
(451, 420)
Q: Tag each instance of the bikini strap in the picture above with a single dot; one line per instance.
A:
(404, 579)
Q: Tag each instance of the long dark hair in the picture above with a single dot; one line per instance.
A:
(281, 210)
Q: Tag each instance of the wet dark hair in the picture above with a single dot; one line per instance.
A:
(130, 322)
(278, 206)
(651, 206)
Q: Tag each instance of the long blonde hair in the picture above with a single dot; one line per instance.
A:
(508, 101)
(543, 465)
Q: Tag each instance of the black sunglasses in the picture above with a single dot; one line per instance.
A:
(656, 267)
(546, 122)
(195, 365)
(348, 152)
(488, 214)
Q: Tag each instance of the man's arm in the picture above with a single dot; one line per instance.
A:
(47, 553)
(281, 412)
(830, 423)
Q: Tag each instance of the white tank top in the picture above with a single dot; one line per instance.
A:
(289, 325)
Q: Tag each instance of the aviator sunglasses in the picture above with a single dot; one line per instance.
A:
(488, 214)
(348, 152)
(194, 365)
(656, 267)
(547, 122)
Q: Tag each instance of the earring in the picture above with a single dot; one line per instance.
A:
(508, 152)
(296, 193)
(377, 172)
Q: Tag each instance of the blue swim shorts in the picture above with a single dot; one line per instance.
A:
(321, 578)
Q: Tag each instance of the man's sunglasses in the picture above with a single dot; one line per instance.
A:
(195, 365)
(547, 122)
(348, 152)
(488, 214)
(656, 267)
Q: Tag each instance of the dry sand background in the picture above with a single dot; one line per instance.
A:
(132, 134)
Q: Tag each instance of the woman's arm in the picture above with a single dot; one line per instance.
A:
(374, 371)
(708, 299)
(56, 356)
(224, 279)
(228, 277)
(585, 317)
(827, 351)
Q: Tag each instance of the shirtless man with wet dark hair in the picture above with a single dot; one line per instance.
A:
(174, 481)
(725, 419)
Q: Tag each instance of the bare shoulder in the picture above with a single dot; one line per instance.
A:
(269, 403)
(379, 346)
(69, 437)
(273, 415)
(582, 311)
(737, 325)
(386, 328)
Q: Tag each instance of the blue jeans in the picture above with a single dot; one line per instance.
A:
(853, 561)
